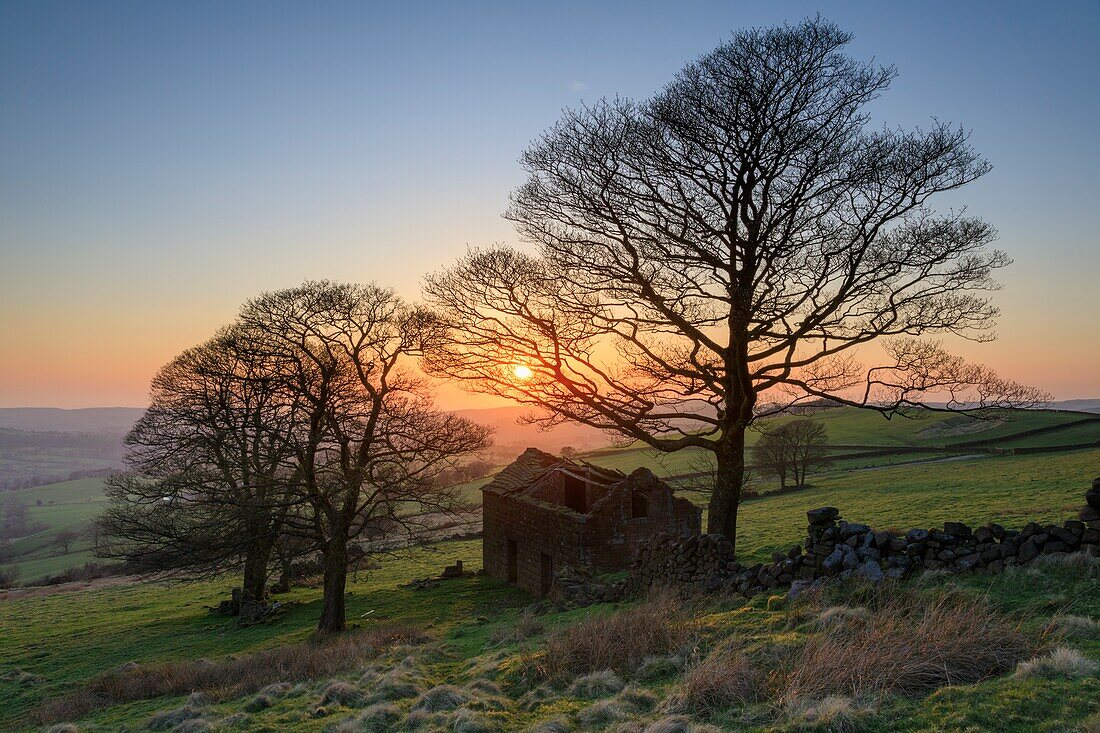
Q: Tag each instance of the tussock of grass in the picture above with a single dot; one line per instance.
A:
(1059, 662)
(678, 724)
(910, 644)
(227, 678)
(339, 692)
(831, 714)
(557, 725)
(834, 616)
(601, 714)
(1075, 626)
(723, 679)
(596, 684)
(377, 718)
(637, 698)
(465, 720)
(619, 642)
(439, 698)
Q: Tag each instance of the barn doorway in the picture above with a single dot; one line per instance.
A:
(547, 574)
(512, 555)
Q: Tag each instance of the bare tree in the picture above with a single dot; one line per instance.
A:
(792, 448)
(372, 445)
(65, 539)
(212, 469)
(735, 246)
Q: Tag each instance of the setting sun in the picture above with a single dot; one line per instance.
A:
(522, 371)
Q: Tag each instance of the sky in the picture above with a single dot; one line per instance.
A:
(160, 163)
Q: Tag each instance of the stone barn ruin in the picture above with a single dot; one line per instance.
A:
(543, 513)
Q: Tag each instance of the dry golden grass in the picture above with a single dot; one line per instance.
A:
(909, 644)
(229, 677)
(724, 678)
(619, 642)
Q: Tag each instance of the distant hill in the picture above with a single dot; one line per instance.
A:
(511, 438)
(1086, 405)
(111, 420)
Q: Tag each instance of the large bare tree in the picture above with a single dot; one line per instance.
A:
(738, 244)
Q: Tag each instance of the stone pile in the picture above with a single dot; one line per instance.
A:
(574, 588)
(839, 549)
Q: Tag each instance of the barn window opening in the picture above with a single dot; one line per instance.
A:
(639, 505)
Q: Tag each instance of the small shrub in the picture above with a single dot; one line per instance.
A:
(911, 644)
(723, 679)
(596, 684)
(1060, 662)
(618, 642)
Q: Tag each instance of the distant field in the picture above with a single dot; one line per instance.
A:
(66, 506)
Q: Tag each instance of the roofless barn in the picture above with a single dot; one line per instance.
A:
(543, 512)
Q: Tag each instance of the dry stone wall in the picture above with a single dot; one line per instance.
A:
(835, 548)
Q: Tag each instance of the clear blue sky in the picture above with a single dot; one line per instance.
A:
(160, 163)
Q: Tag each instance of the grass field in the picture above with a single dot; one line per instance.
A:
(74, 637)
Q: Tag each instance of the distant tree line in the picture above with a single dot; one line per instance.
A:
(301, 430)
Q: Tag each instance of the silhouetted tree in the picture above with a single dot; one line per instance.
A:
(731, 247)
(212, 469)
(792, 449)
(372, 444)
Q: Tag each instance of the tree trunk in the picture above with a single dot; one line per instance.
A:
(333, 612)
(728, 481)
(254, 583)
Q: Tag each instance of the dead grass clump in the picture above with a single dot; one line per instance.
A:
(596, 684)
(723, 679)
(378, 718)
(230, 677)
(397, 684)
(557, 725)
(834, 616)
(63, 728)
(439, 698)
(618, 642)
(1059, 662)
(911, 644)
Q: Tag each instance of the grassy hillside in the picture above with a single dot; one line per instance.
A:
(56, 647)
